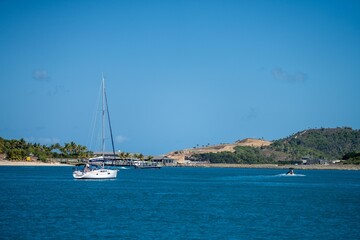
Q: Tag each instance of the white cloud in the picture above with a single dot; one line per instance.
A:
(41, 75)
(282, 75)
(251, 114)
(120, 139)
(58, 89)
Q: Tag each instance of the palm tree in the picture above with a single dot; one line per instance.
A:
(73, 148)
(136, 156)
(55, 146)
(22, 144)
(122, 155)
(65, 150)
(82, 151)
(127, 155)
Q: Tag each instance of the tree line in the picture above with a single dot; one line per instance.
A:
(242, 155)
(20, 150)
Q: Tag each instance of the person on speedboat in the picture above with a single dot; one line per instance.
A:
(290, 172)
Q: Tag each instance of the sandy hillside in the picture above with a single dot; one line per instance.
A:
(182, 154)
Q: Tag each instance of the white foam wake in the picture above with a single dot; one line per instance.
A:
(290, 175)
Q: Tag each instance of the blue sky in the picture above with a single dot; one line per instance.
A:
(178, 73)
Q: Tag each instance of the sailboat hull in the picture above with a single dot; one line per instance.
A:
(96, 174)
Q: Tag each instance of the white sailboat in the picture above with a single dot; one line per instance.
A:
(95, 167)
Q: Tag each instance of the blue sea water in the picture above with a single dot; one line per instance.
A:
(179, 203)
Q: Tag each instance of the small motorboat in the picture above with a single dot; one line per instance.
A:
(290, 172)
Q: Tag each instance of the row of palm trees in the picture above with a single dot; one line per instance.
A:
(140, 156)
(73, 149)
(20, 149)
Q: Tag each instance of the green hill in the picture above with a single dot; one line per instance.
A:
(328, 143)
(324, 143)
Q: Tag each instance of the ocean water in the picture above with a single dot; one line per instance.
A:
(179, 203)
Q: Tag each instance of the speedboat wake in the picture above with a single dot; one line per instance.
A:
(290, 175)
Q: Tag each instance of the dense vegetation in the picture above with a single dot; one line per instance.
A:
(352, 158)
(329, 144)
(325, 143)
(245, 155)
(20, 149)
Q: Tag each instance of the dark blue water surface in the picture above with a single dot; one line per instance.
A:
(179, 203)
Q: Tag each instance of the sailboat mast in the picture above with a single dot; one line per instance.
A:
(103, 118)
(111, 134)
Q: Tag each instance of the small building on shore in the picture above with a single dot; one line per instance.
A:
(164, 160)
(313, 161)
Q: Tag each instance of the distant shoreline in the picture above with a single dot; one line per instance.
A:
(203, 165)
(275, 166)
(31, 164)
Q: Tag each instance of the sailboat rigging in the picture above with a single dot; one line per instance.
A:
(93, 170)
